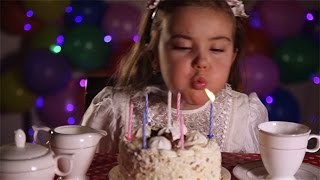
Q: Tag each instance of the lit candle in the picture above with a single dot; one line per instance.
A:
(212, 98)
(129, 133)
(144, 123)
(169, 109)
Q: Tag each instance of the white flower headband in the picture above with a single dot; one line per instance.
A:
(236, 6)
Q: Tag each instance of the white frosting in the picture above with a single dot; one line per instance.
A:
(168, 153)
(174, 130)
(195, 138)
(138, 133)
(159, 142)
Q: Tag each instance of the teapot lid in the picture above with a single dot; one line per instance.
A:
(21, 150)
(13, 155)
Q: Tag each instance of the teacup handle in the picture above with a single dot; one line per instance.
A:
(36, 129)
(315, 149)
(66, 156)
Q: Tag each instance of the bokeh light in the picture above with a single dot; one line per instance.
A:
(107, 38)
(69, 107)
(316, 79)
(309, 17)
(29, 13)
(269, 99)
(83, 83)
(71, 120)
(27, 27)
(78, 19)
(68, 9)
(255, 21)
(60, 40)
(55, 48)
(39, 102)
(135, 38)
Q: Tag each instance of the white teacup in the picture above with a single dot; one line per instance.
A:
(283, 146)
(80, 141)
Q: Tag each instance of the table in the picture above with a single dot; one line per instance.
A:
(103, 163)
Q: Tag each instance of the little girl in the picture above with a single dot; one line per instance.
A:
(191, 45)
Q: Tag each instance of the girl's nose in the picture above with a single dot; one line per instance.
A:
(201, 63)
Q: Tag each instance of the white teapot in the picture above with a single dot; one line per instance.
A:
(29, 161)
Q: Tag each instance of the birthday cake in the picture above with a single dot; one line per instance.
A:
(166, 154)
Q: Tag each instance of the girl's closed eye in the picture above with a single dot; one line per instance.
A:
(217, 50)
(180, 44)
(182, 47)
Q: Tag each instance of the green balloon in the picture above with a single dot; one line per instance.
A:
(85, 47)
(298, 59)
(45, 38)
(15, 97)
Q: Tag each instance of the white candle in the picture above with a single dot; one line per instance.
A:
(169, 109)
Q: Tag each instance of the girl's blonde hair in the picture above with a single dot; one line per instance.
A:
(135, 71)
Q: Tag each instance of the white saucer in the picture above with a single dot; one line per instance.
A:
(255, 170)
(225, 174)
(114, 174)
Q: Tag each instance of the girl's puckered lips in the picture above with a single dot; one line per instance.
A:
(199, 83)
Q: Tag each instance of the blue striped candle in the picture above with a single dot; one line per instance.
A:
(144, 123)
(210, 135)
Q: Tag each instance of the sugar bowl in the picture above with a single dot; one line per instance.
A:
(29, 161)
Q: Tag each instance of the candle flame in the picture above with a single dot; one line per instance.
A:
(210, 95)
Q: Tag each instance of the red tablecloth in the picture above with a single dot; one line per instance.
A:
(103, 163)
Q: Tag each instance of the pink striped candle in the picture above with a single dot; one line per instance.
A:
(169, 125)
(129, 133)
(178, 106)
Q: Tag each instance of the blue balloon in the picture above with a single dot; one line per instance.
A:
(84, 12)
(45, 72)
(282, 106)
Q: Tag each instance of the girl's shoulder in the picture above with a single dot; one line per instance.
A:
(110, 92)
(248, 102)
(242, 97)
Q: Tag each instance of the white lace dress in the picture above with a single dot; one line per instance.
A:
(236, 117)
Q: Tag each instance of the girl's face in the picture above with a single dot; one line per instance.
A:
(196, 52)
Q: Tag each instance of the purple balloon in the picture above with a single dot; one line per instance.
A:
(45, 72)
(121, 21)
(259, 74)
(281, 19)
(65, 107)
